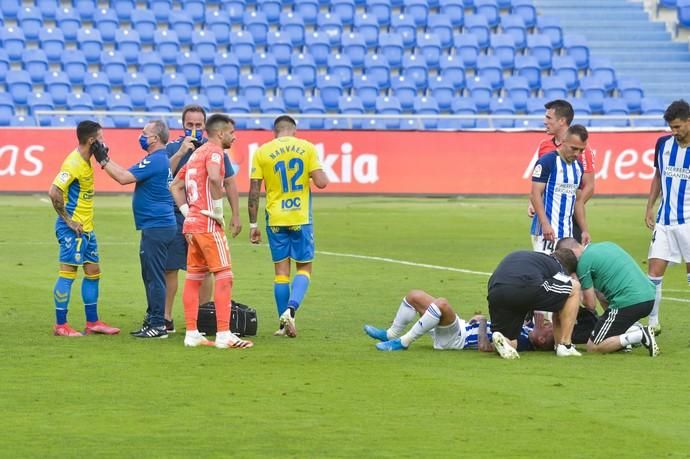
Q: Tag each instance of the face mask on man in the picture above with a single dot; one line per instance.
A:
(198, 134)
(144, 142)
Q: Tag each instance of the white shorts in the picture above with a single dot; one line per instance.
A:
(540, 245)
(450, 337)
(671, 243)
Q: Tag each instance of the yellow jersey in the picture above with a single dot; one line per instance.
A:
(75, 179)
(285, 165)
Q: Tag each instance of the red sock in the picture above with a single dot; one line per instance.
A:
(221, 296)
(190, 299)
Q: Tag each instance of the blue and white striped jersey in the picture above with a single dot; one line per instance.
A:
(562, 182)
(673, 163)
(472, 336)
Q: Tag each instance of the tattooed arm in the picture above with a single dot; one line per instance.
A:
(253, 208)
(58, 201)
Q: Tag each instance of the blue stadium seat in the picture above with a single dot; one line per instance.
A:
(161, 9)
(119, 103)
(48, 8)
(68, 21)
(137, 88)
(442, 90)
(22, 121)
(67, 121)
(415, 68)
(404, 26)
(79, 102)
(195, 9)
(13, 42)
(271, 9)
(391, 46)
(478, 26)
(427, 105)
(266, 67)
(214, 87)
(292, 90)
(114, 66)
(36, 63)
(354, 48)
(280, 46)
(91, 44)
(378, 70)
(454, 10)
(349, 105)
(467, 49)
(526, 9)
(683, 13)
(319, 47)
(182, 25)
(151, 66)
(107, 122)
(158, 103)
(376, 124)
(389, 105)
(418, 10)
(367, 90)
(614, 107)
(74, 65)
(540, 47)
(175, 86)
(242, 45)
(502, 106)
(6, 109)
(554, 87)
(345, 9)
(293, 25)
(535, 106)
(602, 69)
(205, 46)
(307, 9)
(653, 107)
(228, 66)
(551, 27)
(517, 89)
(304, 67)
(272, 105)
(218, 22)
(144, 22)
(107, 23)
(190, 67)
(430, 48)
(380, 10)
(631, 92)
(252, 89)
(576, 47)
(503, 46)
(514, 25)
(480, 91)
(313, 105)
(488, 9)
(260, 124)
(97, 86)
(40, 101)
(4, 65)
(256, 24)
(330, 25)
(593, 90)
(129, 44)
(340, 65)
(581, 108)
(235, 105)
(405, 90)
(9, 9)
(53, 43)
(123, 8)
(196, 99)
(528, 67)
(453, 70)
(464, 106)
(489, 69)
(235, 10)
(337, 123)
(330, 89)
(31, 22)
(565, 68)
(441, 26)
(58, 86)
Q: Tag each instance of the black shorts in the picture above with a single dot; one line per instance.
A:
(509, 304)
(614, 322)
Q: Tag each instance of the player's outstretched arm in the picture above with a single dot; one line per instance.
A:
(119, 173)
(58, 201)
(253, 210)
(319, 178)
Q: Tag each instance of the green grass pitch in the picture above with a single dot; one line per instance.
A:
(328, 393)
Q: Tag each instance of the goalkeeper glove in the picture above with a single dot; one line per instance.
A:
(100, 152)
(217, 212)
(184, 210)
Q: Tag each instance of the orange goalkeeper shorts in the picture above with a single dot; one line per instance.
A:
(207, 252)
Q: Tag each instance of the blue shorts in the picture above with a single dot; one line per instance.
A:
(76, 250)
(295, 242)
(177, 252)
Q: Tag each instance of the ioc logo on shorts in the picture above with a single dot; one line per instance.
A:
(293, 203)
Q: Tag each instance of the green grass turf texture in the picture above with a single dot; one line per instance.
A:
(328, 393)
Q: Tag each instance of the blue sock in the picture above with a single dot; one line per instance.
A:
(688, 278)
(281, 292)
(300, 284)
(89, 294)
(61, 294)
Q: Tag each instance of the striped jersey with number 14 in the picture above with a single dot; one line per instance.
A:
(673, 163)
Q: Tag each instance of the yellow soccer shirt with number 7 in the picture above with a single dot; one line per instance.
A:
(285, 165)
(75, 179)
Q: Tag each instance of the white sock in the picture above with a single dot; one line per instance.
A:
(427, 322)
(632, 336)
(225, 336)
(654, 315)
(193, 333)
(406, 314)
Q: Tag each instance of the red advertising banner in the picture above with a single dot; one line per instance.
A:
(367, 162)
